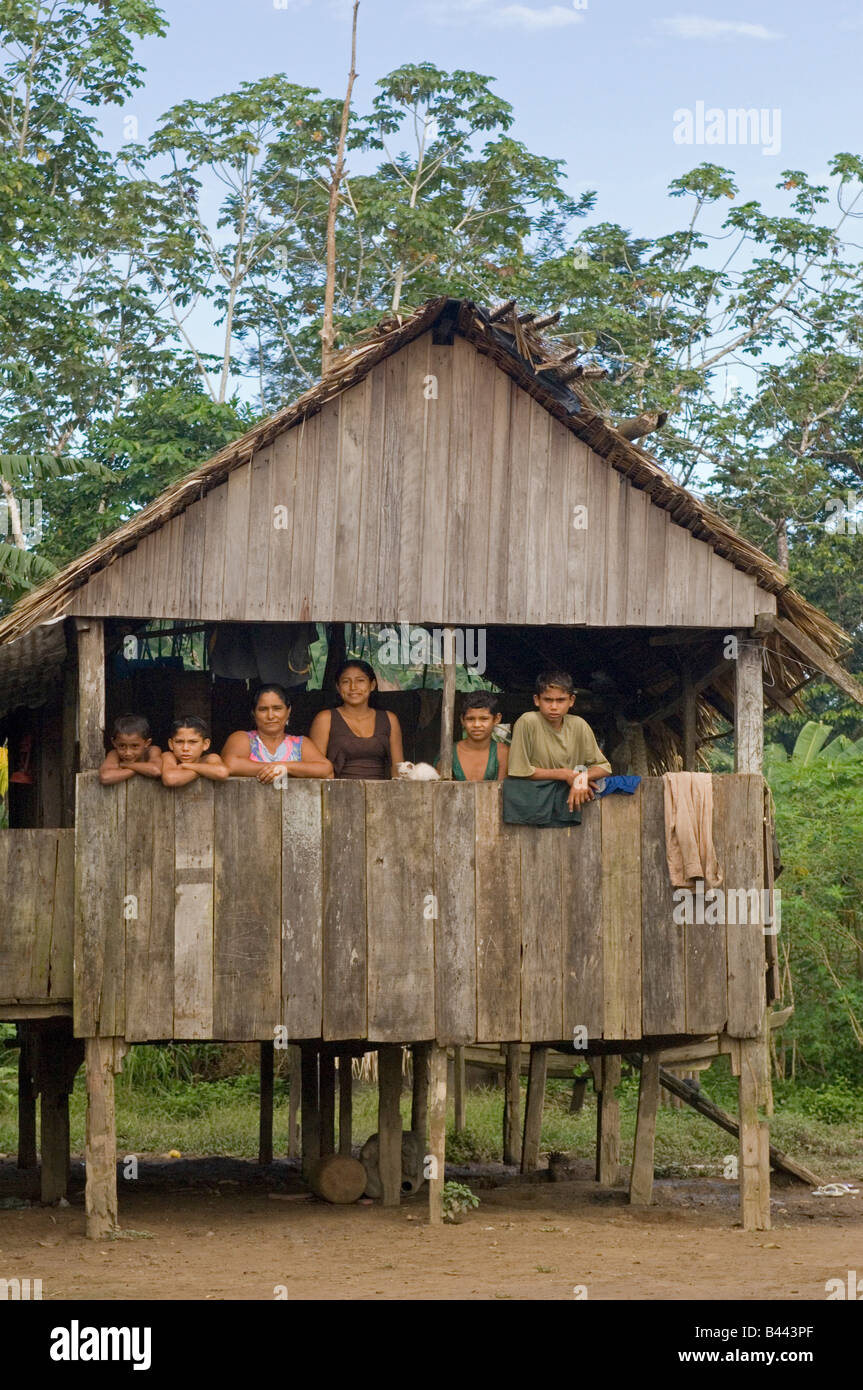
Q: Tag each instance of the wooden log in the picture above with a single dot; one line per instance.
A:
(103, 1059)
(338, 1178)
(512, 1103)
(91, 693)
(327, 1083)
(26, 1100)
(390, 1123)
(608, 1123)
(346, 1116)
(311, 1115)
(295, 1084)
(420, 1089)
(458, 1076)
(754, 1145)
(533, 1109)
(447, 716)
(748, 705)
(641, 1175)
(437, 1131)
(265, 1126)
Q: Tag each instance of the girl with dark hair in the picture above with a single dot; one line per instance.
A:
(268, 751)
(361, 742)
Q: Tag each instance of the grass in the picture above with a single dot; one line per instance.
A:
(178, 1098)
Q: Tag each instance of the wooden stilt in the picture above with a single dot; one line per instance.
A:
(346, 1109)
(437, 1131)
(103, 1060)
(641, 1176)
(459, 1088)
(512, 1103)
(311, 1115)
(26, 1101)
(265, 1127)
(328, 1103)
(295, 1083)
(54, 1112)
(536, 1078)
(390, 1123)
(754, 1144)
(420, 1091)
(608, 1123)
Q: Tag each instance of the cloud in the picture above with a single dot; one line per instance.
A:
(696, 26)
(507, 16)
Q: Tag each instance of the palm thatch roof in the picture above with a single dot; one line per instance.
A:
(544, 368)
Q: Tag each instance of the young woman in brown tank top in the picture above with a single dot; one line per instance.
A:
(359, 741)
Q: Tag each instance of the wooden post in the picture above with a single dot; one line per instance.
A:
(295, 1082)
(641, 1175)
(748, 705)
(754, 1143)
(54, 1112)
(311, 1124)
(346, 1096)
(458, 1075)
(420, 1090)
(437, 1131)
(328, 1103)
(91, 693)
(536, 1078)
(390, 1122)
(608, 1123)
(26, 1100)
(265, 1127)
(103, 1058)
(447, 710)
(688, 716)
(512, 1103)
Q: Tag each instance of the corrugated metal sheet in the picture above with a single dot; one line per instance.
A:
(29, 666)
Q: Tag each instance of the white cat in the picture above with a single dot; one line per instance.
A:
(417, 772)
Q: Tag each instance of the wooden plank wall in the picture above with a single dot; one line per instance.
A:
(397, 911)
(36, 869)
(434, 490)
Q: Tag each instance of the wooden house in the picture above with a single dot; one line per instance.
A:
(450, 472)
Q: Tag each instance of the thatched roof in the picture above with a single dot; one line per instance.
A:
(543, 368)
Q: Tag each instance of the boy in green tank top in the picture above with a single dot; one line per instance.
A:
(551, 745)
(478, 757)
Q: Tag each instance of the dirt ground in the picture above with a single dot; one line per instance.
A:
(227, 1230)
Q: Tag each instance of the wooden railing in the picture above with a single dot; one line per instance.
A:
(36, 886)
(400, 911)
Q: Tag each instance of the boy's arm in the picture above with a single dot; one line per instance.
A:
(153, 766)
(502, 761)
(175, 774)
(211, 767)
(111, 771)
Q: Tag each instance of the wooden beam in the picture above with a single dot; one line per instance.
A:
(438, 1065)
(265, 1120)
(512, 1103)
(346, 1103)
(641, 1175)
(536, 1079)
(26, 1100)
(91, 693)
(811, 651)
(103, 1058)
(608, 1123)
(390, 1122)
(754, 1143)
(447, 713)
(748, 705)
(458, 1073)
(327, 1083)
(420, 1089)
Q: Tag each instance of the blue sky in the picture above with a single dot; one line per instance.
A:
(596, 86)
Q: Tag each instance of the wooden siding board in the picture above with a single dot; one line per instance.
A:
(100, 939)
(367, 606)
(302, 908)
(237, 544)
(657, 537)
(706, 990)
(214, 553)
(616, 549)
(542, 933)
(581, 892)
(663, 954)
(345, 938)
(454, 861)
(247, 984)
(260, 530)
(431, 560)
(536, 532)
(193, 913)
(464, 482)
(637, 573)
(744, 870)
(481, 465)
(498, 920)
(192, 564)
(498, 517)
(392, 478)
(149, 847)
(621, 915)
(284, 539)
(417, 412)
(348, 505)
(305, 521)
(519, 497)
(721, 608)
(577, 510)
(326, 487)
(597, 538)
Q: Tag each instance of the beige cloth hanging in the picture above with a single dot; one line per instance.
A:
(689, 829)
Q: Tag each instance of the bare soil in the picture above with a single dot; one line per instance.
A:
(223, 1229)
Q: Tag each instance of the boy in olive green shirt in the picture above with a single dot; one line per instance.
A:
(552, 745)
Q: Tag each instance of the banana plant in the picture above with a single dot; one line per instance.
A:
(811, 745)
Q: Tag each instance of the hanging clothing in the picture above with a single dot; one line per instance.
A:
(290, 750)
(492, 767)
(689, 829)
(356, 758)
(262, 652)
(537, 803)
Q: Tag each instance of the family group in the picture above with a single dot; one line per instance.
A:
(355, 740)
